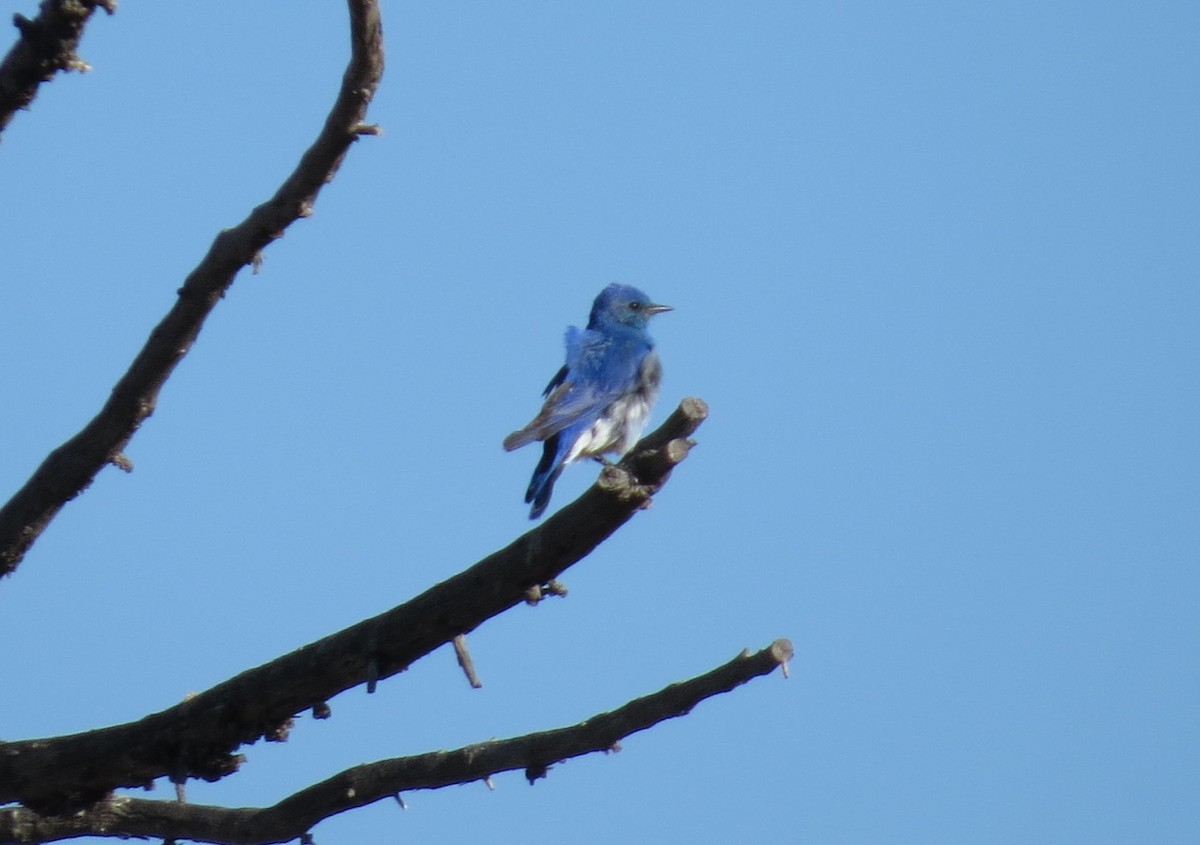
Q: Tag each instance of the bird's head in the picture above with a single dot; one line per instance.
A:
(623, 305)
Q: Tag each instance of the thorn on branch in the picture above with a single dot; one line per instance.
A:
(367, 129)
(465, 661)
(306, 839)
(109, 6)
(27, 27)
(121, 461)
(372, 674)
(487, 781)
(536, 772)
(76, 64)
(280, 732)
(614, 748)
(256, 263)
(537, 592)
(400, 800)
(321, 710)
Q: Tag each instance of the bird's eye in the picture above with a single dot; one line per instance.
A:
(635, 306)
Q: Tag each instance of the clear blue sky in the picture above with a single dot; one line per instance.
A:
(935, 271)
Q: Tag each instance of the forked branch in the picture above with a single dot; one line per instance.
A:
(371, 782)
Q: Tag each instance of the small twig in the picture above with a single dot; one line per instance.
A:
(465, 661)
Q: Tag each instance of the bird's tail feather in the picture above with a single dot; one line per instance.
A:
(541, 498)
(544, 475)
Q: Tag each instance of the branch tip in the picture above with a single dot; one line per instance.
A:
(678, 449)
(694, 408)
(782, 651)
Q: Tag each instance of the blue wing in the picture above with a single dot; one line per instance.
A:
(600, 370)
(579, 392)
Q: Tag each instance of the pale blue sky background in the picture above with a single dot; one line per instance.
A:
(935, 271)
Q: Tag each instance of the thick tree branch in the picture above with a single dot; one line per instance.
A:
(198, 737)
(365, 784)
(46, 46)
(70, 468)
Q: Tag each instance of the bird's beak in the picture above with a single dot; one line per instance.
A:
(658, 309)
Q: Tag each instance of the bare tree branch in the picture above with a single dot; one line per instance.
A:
(70, 468)
(198, 737)
(46, 46)
(365, 784)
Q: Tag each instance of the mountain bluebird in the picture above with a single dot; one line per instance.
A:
(600, 400)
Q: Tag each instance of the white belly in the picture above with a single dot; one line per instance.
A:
(616, 430)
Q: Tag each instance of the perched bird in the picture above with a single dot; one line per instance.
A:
(600, 400)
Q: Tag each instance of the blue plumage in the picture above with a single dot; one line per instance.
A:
(601, 398)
